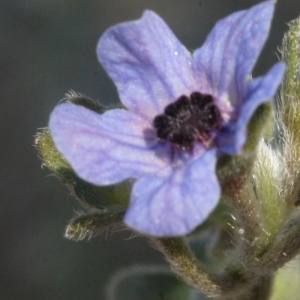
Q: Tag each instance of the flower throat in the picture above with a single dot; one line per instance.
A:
(188, 120)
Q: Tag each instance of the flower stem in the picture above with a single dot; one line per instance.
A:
(192, 271)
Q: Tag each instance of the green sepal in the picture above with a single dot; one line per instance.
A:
(88, 194)
(290, 91)
(259, 126)
(148, 283)
(289, 114)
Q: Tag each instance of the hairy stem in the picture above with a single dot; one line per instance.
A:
(186, 265)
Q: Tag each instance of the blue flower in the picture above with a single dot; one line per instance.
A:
(183, 110)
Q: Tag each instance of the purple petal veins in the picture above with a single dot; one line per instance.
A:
(96, 145)
(148, 64)
(175, 204)
(258, 91)
(175, 185)
(229, 53)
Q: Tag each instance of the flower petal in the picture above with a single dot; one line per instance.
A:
(229, 53)
(105, 149)
(147, 63)
(259, 90)
(176, 205)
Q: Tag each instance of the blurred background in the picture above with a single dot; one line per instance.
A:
(47, 47)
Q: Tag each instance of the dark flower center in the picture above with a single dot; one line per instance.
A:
(188, 120)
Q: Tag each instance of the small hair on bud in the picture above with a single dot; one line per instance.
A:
(91, 224)
(82, 100)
